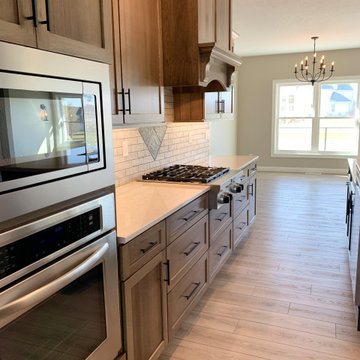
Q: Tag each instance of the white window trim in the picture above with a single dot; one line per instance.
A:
(312, 154)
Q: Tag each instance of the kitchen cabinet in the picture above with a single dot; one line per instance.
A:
(353, 232)
(79, 28)
(136, 75)
(14, 25)
(252, 193)
(219, 105)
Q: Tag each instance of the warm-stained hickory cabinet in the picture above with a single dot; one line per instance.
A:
(15, 26)
(146, 310)
(137, 74)
(74, 27)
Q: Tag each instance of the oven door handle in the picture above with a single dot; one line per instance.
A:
(38, 295)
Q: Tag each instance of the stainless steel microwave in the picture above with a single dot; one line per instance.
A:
(55, 129)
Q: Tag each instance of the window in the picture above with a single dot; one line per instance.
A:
(319, 120)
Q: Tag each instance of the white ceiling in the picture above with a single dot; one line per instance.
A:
(286, 26)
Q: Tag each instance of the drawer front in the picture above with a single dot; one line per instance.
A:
(137, 252)
(218, 219)
(240, 225)
(240, 200)
(219, 251)
(187, 216)
(187, 292)
(186, 249)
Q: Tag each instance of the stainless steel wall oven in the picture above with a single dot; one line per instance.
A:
(59, 296)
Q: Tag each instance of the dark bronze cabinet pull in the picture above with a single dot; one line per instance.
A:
(192, 291)
(222, 252)
(222, 109)
(167, 263)
(241, 226)
(34, 15)
(122, 93)
(196, 244)
(252, 189)
(221, 218)
(47, 21)
(192, 215)
(129, 99)
(152, 244)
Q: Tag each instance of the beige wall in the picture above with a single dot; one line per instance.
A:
(254, 99)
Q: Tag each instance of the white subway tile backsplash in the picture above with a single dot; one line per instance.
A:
(175, 148)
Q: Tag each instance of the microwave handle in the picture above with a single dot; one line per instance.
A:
(45, 291)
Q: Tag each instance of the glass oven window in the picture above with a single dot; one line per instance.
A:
(70, 325)
(45, 131)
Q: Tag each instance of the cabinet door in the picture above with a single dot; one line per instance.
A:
(14, 25)
(226, 104)
(141, 60)
(223, 24)
(252, 198)
(206, 21)
(146, 310)
(212, 105)
(76, 27)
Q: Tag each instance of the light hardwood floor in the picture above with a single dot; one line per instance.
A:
(285, 292)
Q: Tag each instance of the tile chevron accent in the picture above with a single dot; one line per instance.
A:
(153, 137)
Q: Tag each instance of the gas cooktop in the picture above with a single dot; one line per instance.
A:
(186, 173)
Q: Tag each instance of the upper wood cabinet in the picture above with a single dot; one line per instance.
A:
(80, 28)
(137, 73)
(197, 43)
(15, 26)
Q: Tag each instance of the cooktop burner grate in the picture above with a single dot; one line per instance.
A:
(186, 173)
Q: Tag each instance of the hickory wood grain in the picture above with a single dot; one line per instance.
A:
(285, 292)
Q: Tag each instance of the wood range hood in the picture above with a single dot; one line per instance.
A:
(197, 53)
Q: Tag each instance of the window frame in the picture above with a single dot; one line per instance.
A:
(314, 152)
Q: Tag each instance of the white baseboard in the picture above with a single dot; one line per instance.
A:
(312, 171)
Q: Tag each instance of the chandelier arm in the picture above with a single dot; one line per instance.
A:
(305, 78)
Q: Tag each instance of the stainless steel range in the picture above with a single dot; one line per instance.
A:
(223, 182)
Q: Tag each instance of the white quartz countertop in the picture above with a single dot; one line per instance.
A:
(140, 205)
(234, 162)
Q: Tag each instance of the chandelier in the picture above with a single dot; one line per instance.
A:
(317, 74)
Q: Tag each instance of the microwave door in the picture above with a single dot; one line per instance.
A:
(43, 126)
(93, 126)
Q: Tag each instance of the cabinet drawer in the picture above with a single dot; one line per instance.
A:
(240, 225)
(240, 200)
(137, 252)
(218, 219)
(219, 251)
(186, 249)
(186, 293)
(187, 216)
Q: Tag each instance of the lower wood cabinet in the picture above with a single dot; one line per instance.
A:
(220, 250)
(240, 224)
(145, 304)
(186, 293)
(252, 188)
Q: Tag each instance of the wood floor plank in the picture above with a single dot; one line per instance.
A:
(285, 292)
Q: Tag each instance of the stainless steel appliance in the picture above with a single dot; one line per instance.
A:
(55, 129)
(59, 296)
(223, 182)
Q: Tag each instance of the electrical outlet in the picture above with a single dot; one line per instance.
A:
(125, 148)
(190, 137)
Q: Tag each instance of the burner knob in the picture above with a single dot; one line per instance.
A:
(236, 188)
(224, 198)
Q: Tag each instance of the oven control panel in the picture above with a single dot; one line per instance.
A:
(39, 245)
